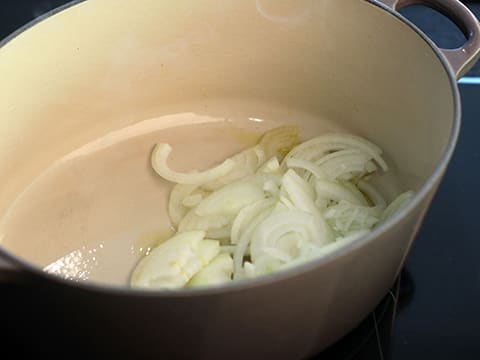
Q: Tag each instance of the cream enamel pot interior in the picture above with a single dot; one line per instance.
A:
(101, 65)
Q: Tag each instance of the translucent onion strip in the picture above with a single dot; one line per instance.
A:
(230, 199)
(373, 194)
(160, 156)
(282, 235)
(279, 141)
(176, 209)
(244, 242)
(346, 217)
(325, 144)
(396, 204)
(337, 191)
(246, 215)
(246, 163)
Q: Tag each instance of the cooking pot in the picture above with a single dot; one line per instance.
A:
(97, 66)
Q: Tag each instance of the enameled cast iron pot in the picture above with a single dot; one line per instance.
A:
(94, 66)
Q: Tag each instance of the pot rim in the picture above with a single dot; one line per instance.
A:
(290, 273)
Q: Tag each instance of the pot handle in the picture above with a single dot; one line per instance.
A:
(463, 58)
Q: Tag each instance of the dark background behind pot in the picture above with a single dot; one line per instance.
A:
(439, 316)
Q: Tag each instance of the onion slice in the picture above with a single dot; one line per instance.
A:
(396, 204)
(159, 159)
(323, 145)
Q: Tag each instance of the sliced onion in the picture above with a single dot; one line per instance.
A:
(284, 203)
(269, 233)
(299, 191)
(265, 265)
(192, 200)
(245, 217)
(246, 163)
(337, 191)
(303, 202)
(160, 156)
(345, 217)
(271, 188)
(305, 165)
(396, 204)
(174, 262)
(352, 235)
(325, 144)
(318, 252)
(345, 165)
(244, 241)
(375, 197)
(176, 209)
(227, 249)
(249, 271)
(222, 234)
(279, 141)
(302, 196)
(218, 271)
(230, 199)
(271, 166)
(192, 221)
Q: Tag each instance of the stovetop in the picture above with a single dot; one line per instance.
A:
(432, 310)
(441, 320)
